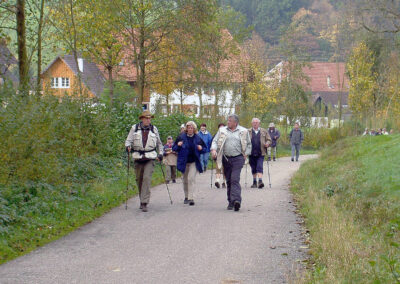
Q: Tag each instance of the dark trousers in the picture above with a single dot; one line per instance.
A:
(232, 168)
(256, 164)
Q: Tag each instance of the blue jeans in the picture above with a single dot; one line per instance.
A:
(204, 160)
(296, 148)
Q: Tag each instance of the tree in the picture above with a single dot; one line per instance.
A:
(100, 39)
(363, 87)
(66, 18)
(144, 24)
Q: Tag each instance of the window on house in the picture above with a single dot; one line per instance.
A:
(64, 82)
(54, 82)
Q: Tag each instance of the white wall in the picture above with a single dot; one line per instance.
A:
(226, 103)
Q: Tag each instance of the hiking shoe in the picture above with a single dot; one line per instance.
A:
(297, 160)
(217, 184)
(191, 202)
(186, 201)
(261, 185)
(292, 159)
(269, 159)
(230, 207)
(167, 181)
(141, 206)
(254, 185)
(144, 208)
(236, 205)
(173, 181)
(223, 185)
(274, 159)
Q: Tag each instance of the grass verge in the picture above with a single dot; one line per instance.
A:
(350, 198)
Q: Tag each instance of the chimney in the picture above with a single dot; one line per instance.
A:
(80, 64)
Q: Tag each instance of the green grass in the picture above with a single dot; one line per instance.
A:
(350, 198)
(49, 217)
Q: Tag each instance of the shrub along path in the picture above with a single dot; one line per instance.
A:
(262, 243)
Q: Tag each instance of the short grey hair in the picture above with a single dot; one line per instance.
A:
(235, 117)
(255, 119)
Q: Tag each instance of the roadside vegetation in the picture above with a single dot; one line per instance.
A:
(350, 199)
(63, 163)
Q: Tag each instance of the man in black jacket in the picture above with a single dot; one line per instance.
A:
(296, 138)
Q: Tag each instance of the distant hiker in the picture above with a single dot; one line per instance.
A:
(275, 135)
(372, 133)
(366, 132)
(182, 128)
(231, 146)
(189, 147)
(296, 139)
(142, 141)
(391, 132)
(384, 132)
(260, 141)
(170, 160)
(219, 173)
(207, 138)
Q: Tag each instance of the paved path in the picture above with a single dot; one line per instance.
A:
(179, 244)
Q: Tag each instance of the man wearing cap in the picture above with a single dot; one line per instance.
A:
(231, 146)
(142, 141)
(274, 134)
(260, 141)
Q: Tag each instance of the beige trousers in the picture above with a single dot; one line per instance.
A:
(189, 179)
(144, 171)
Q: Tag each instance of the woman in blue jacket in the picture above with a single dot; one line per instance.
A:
(189, 146)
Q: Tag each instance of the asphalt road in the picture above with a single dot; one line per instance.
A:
(205, 243)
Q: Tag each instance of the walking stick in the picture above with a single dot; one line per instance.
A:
(269, 176)
(162, 170)
(212, 167)
(127, 181)
(245, 179)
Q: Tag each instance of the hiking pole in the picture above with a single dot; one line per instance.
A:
(127, 180)
(245, 179)
(162, 170)
(212, 167)
(269, 176)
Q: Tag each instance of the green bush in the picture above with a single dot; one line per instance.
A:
(63, 164)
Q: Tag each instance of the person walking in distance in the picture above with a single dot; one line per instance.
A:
(260, 141)
(143, 141)
(219, 171)
(207, 138)
(189, 147)
(170, 160)
(274, 134)
(296, 139)
(231, 146)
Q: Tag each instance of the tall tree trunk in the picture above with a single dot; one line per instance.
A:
(21, 40)
(142, 58)
(200, 94)
(75, 47)
(181, 97)
(39, 50)
(111, 82)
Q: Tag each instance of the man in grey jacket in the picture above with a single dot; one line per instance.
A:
(143, 141)
(296, 139)
(231, 146)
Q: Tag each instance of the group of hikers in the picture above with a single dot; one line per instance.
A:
(380, 131)
(230, 147)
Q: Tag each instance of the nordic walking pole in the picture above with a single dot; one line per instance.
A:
(162, 170)
(269, 176)
(127, 180)
(212, 167)
(245, 178)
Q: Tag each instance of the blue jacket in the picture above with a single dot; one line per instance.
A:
(207, 138)
(183, 152)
